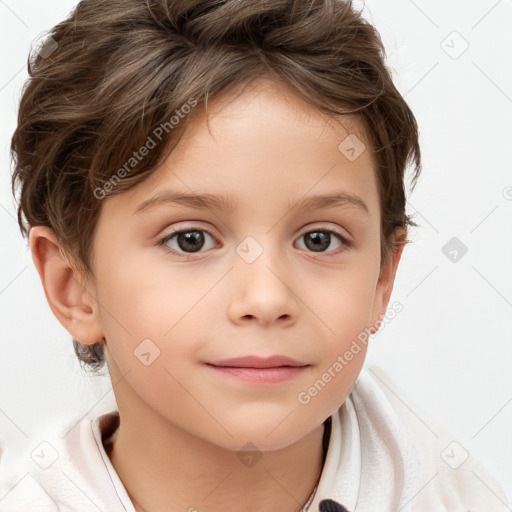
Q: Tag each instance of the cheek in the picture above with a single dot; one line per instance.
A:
(343, 308)
(142, 296)
(343, 302)
(153, 334)
(152, 316)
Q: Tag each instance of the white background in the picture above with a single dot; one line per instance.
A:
(450, 348)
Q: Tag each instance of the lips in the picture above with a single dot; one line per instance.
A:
(257, 362)
(258, 371)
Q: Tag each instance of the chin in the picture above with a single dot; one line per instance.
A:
(264, 435)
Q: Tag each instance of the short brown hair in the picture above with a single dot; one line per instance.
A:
(116, 69)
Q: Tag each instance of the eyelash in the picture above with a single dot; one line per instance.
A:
(162, 242)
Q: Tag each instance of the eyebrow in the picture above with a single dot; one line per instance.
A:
(204, 201)
(227, 204)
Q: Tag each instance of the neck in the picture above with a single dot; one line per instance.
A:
(164, 468)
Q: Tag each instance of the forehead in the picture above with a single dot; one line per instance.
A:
(262, 142)
(258, 110)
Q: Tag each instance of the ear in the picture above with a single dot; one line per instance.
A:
(70, 301)
(387, 279)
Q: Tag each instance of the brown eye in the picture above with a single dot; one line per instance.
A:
(320, 240)
(190, 241)
(187, 241)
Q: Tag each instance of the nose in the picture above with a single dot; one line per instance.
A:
(262, 292)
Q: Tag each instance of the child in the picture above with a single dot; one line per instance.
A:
(270, 135)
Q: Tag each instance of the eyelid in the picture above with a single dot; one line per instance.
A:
(343, 234)
(174, 231)
(306, 229)
(345, 240)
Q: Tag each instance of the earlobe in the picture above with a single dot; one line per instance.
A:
(70, 301)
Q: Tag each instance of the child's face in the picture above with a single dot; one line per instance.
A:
(247, 281)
